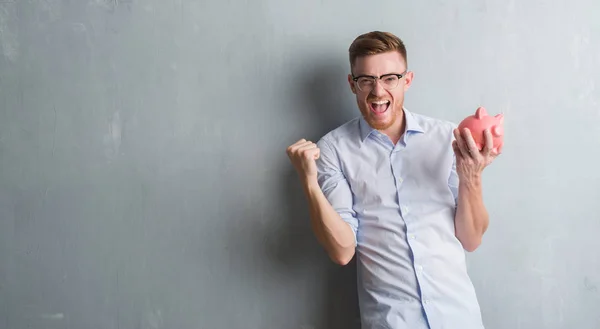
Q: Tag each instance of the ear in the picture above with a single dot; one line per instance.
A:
(408, 78)
(500, 117)
(352, 84)
(481, 112)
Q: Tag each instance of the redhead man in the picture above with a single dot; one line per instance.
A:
(402, 192)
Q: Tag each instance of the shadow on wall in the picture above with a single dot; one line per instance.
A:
(293, 271)
(329, 103)
(325, 91)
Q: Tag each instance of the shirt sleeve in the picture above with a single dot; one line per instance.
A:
(334, 185)
(453, 181)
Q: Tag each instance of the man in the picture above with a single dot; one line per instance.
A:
(403, 192)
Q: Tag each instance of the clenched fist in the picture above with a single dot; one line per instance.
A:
(303, 154)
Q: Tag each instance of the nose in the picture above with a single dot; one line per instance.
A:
(378, 89)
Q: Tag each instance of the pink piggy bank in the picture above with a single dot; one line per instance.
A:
(480, 121)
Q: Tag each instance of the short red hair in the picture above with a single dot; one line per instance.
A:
(376, 42)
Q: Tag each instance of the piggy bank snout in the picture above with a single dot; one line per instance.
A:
(497, 131)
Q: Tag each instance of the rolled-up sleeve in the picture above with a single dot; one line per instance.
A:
(453, 177)
(453, 182)
(334, 185)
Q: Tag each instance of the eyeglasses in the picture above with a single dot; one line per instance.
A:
(367, 82)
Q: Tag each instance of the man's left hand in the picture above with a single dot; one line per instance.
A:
(470, 161)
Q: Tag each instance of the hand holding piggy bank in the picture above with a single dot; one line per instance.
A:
(481, 121)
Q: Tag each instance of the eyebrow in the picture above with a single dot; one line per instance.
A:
(369, 75)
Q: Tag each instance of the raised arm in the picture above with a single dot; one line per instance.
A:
(315, 170)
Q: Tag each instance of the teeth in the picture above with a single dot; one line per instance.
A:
(381, 102)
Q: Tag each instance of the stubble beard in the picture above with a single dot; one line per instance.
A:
(376, 124)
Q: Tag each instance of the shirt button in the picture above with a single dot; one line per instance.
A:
(404, 209)
(426, 301)
(412, 236)
(420, 268)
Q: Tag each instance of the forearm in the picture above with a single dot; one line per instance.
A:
(331, 230)
(471, 219)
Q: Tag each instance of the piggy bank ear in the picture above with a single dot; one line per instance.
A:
(480, 113)
(500, 117)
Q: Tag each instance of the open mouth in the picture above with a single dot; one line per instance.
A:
(379, 107)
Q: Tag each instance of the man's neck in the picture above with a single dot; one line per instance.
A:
(396, 131)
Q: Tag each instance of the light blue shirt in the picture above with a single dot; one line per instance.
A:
(400, 202)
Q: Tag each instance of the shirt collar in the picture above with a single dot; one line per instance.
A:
(411, 125)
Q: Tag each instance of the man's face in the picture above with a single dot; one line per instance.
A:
(380, 101)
